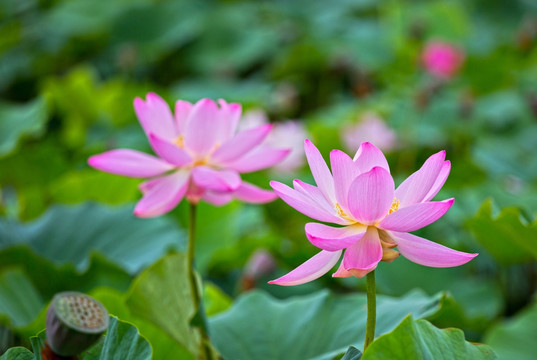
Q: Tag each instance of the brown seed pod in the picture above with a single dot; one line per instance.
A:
(75, 321)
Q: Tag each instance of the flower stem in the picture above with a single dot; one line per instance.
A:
(191, 251)
(205, 351)
(371, 309)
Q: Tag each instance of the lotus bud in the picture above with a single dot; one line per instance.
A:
(75, 321)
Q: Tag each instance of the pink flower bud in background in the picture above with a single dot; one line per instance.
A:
(261, 263)
(289, 134)
(441, 59)
(370, 128)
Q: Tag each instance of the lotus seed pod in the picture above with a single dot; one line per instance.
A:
(75, 321)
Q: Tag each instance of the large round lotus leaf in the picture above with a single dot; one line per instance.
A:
(515, 338)
(317, 326)
(69, 234)
(419, 340)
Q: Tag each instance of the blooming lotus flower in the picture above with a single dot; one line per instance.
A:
(370, 128)
(289, 134)
(442, 60)
(374, 217)
(200, 155)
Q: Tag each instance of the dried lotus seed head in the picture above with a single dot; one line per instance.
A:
(81, 312)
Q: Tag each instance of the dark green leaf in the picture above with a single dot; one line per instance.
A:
(515, 338)
(19, 299)
(419, 340)
(161, 294)
(49, 279)
(352, 354)
(18, 121)
(123, 341)
(69, 234)
(317, 326)
(507, 237)
(17, 353)
(164, 346)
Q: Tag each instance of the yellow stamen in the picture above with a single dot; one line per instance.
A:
(200, 162)
(342, 214)
(395, 205)
(180, 141)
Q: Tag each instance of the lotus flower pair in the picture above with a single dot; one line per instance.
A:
(200, 155)
(373, 216)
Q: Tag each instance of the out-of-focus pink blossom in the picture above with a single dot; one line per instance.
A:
(289, 134)
(261, 263)
(442, 59)
(370, 128)
(200, 155)
(373, 216)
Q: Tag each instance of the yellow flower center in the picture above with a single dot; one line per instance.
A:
(180, 141)
(342, 213)
(395, 205)
(199, 162)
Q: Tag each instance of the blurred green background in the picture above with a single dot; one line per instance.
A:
(70, 69)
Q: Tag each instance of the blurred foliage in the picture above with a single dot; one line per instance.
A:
(513, 338)
(70, 69)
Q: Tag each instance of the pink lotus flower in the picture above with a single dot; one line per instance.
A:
(289, 134)
(370, 128)
(442, 60)
(375, 217)
(200, 155)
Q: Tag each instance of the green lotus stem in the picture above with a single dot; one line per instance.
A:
(371, 309)
(205, 351)
(191, 252)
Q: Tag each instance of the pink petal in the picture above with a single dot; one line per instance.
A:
(425, 252)
(230, 115)
(364, 255)
(182, 110)
(371, 196)
(319, 170)
(252, 194)
(318, 198)
(369, 156)
(241, 144)
(344, 171)
(155, 117)
(312, 269)
(259, 158)
(303, 203)
(163, 194)
(194, 193)
(341, 272)
(217, 199)
(148, 185)
(331, 238)
(169, 152)
(440, 181)
(130, 163)
(201, 131)
(418, 185)
(216, 180)
(416, 216)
